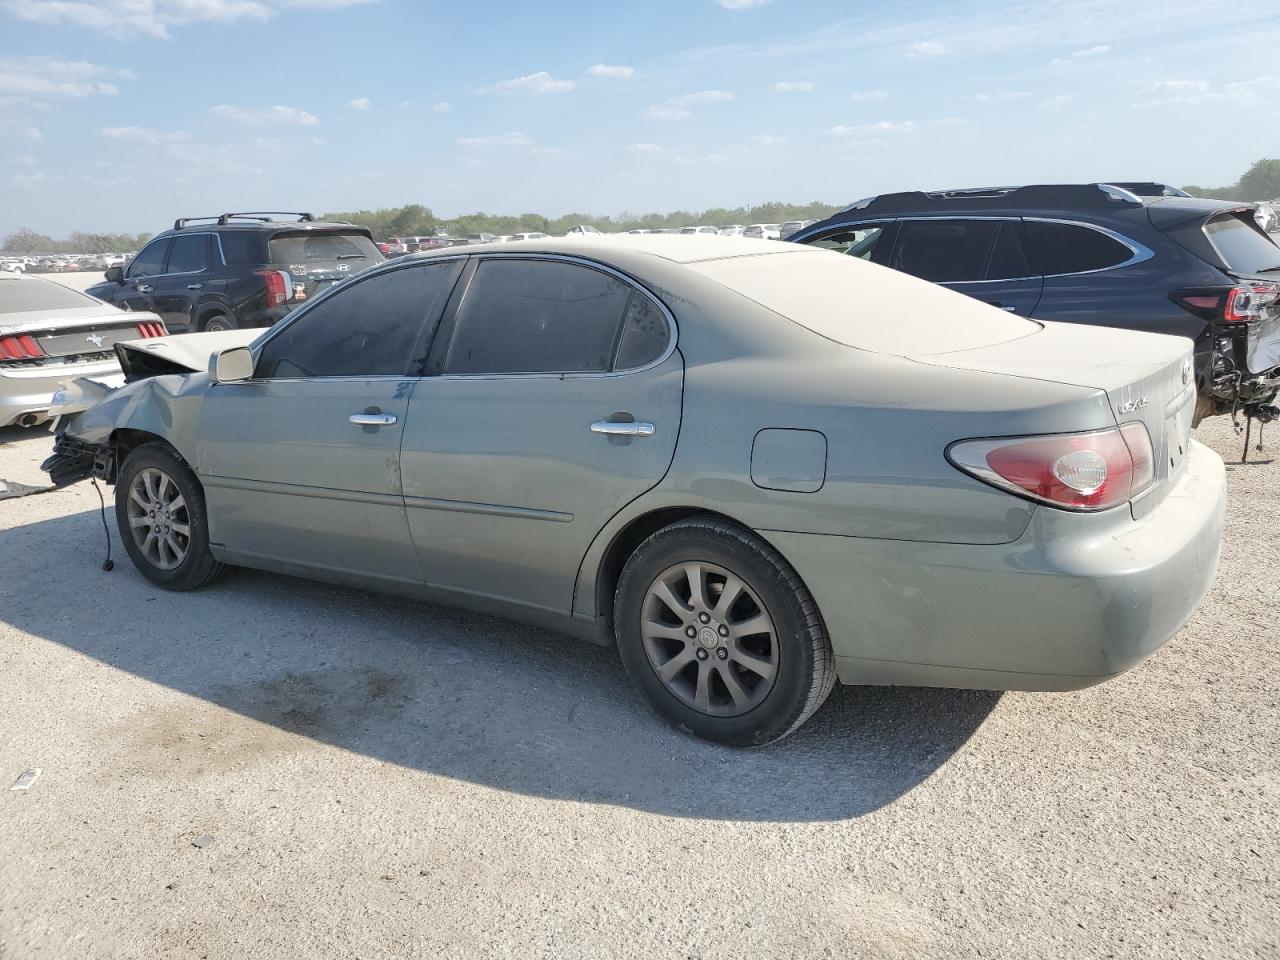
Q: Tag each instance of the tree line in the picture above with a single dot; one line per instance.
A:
(1260, 182)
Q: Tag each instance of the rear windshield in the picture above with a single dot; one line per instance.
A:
(355, 248)
(1242, 246)
(25, 296)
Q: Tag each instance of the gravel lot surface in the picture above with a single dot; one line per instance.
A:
(276, 768)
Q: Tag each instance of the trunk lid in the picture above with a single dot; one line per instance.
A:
(1147, 377)
(78, 336)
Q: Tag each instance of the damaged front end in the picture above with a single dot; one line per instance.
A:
(74, 460)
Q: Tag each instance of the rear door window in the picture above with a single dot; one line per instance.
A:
(150, 262)
(1243, 247)
(945, 251)
(1008, 260)
(370, 328)
(537, 316)
(298, 250)
(1060, 248)
(188, 253)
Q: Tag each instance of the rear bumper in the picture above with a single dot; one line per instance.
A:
(22, 394)
(1077, 599)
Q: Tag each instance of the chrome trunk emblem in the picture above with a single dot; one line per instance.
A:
(96, 339)
(1131, 406)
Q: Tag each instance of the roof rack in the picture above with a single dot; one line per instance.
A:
(1062, 196)
(265, 216)
(1150, 188)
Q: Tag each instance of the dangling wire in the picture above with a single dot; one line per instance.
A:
(107, 564)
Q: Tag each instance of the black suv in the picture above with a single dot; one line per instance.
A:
(237, 269)
(1142, 256)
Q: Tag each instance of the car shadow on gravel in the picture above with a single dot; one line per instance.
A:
(458, 694)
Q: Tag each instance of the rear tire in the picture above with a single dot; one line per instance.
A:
(743, 657)
(217, 323)
(160, 513)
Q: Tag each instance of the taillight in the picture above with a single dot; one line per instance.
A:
(150, 328)
(1078, 471)
(21, 347)
(277, 282)
(1243, 303)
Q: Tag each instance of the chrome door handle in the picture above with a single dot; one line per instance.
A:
(194, 286)
(144, 288)
(634, 428)
(372, 419)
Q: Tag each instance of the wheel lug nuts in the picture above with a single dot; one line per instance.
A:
(702, 654)
(704, 617)
(724, 631)
(722, 653)
(690, 632)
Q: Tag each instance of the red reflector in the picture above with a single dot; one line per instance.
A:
(1202, 303)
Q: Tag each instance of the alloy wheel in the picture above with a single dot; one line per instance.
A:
(159, 519)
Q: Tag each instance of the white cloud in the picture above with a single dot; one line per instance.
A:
(145, 135)
(25, 160)
(540, 82)
(792, 86)
(442, 107)
(926, 49)
(277, 114)
(895, 127)
(768, 140)
(677, 108)
(1167, 93)
(360, 103)
(1002, 97)
(30, 179)
(1061, 100)
(867, 96)
(1181, 87)
(741, 4)
(666, 111)
(612, 72)
(1097, 51)
(513, 139)
(703, 96)
(29, 133)
(649, 148)
(48, 77)
(154, 18)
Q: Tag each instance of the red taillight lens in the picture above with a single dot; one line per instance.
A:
(1247, 301)
(1080, 471)
(21, 347)
(149, 329)
(277, 286)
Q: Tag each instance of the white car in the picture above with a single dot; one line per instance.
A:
(13, 266)
(763, 231)
(527, 236)
(1268, 217)
(734, 230)
(794, 226)
(706, 231)
(584, 231)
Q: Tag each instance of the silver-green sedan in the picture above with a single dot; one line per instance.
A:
(755, 468)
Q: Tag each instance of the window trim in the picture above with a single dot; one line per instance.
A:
(419, 348)
(188, 273)
(451, 313)
(1139, 252)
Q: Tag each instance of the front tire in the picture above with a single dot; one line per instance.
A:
(160, 513)
(721, 635)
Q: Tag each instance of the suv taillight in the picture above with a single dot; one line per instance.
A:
(277, 282)
(1243, 303)
(22, 347)
(1078, 471)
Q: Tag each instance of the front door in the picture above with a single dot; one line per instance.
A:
(136, 292)
(301, 464)
(174, 293)
(557, 402)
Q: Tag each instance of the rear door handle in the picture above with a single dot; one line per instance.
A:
(633, 428)
(372, 419)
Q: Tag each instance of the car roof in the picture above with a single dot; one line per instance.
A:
(677, 248)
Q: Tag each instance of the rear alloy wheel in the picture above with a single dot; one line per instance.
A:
(218, 323)
(161, 515)
(720, 634)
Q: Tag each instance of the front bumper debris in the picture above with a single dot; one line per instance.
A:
(74, 460)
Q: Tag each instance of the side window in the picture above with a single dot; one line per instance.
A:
(1057, 248)
(537, 316)
(242, 248)
(861, 242)
(645, 334)
(188, 253)
(1008, 261)
(368, 328)
(150, 262)
(945, 251)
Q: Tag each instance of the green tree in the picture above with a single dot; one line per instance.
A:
(1261, 181)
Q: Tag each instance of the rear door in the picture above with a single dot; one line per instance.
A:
(175, 292)
(301, 464)
(979, 257)
(555, 401)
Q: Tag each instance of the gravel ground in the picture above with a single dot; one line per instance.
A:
(276, 768)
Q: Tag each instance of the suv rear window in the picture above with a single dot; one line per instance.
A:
(1060, 248)
(1243, 247)
(326, 247)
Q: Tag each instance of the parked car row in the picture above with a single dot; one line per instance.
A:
(62, 264)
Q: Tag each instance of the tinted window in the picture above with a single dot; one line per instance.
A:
(240, 248)
(856, 242)
(301, 248)
(188, 253)
(367, 329)
(1057, 248)
(1243, 248)
(945, 251)
(150, 261)
(1008, 261)
(537, 316)
(644, 334)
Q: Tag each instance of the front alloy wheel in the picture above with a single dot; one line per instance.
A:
(159, 520)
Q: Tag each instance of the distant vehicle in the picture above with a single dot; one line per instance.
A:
(528, 236)
(694, 231)
(237, 269)
(1268, 217)
(50, 333)
(640, 232)
(584, 230)
(481, 237)
(13, 266)
(792, 226)
(1141, 256)
(763, 231)
(734, 230)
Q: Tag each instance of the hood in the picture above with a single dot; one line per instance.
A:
(184, 353)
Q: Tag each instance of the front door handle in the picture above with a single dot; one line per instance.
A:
(997, 303)
(194, 286)
(372, 419)
(631, 428)
(144, 288)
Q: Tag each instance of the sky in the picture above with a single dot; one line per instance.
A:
(120, 115)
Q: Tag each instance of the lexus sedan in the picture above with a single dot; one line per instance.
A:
(754, 468)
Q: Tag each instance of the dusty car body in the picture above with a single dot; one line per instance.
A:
(49, 334)
(774, 488)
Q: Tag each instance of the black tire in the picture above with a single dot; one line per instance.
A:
(805, 669)
(218, 321)
(197, 566)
